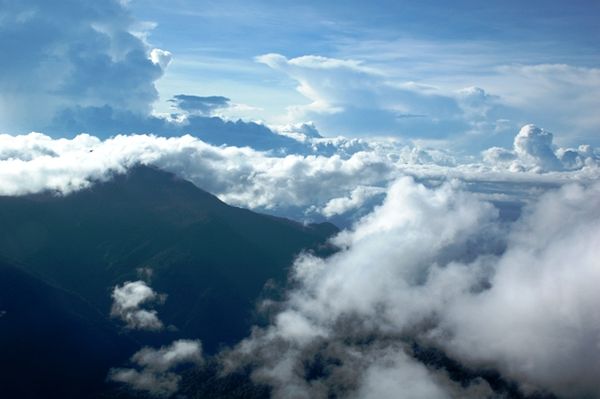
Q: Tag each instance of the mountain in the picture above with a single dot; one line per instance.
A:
(63, 255)
(53, 343)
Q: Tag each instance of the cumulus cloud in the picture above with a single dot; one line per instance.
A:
(161, 58)
(84, 66)
(357, 198)
(534, 145)
(378, 284)
(128, 300)
(437, 267)
(153, 372)
(533, 149)
(76, 54)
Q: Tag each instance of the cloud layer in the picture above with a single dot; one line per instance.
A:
(340, 180)
(436, 267)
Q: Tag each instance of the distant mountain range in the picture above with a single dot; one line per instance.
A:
(61, 257)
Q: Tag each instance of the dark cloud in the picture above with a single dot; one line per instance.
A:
(107, 121)
(199, 105)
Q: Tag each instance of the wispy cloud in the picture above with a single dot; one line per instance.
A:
(153, 367)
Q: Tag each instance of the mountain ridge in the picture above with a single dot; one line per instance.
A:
(211, 260)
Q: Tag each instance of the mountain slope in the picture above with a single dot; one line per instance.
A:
(49, 336)
(211, 260)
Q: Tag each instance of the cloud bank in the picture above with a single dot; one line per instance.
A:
(339, 182)
(438, 268)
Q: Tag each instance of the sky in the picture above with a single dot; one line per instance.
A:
(472, 44)
(466, 76)
(456, 147)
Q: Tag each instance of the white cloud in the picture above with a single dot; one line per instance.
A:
(534, 146)
(157, 384)
(154, 374)
(357, 198)
(161, 57)
(378, 285)
(476, 109)
(538, 321)
(534, 150)
(302, 186)
(395, 375)
(349, 96)
(127, 302)
(165, 358)
(438, 267)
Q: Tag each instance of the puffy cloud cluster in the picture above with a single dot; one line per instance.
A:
(240, 176)
(357, 198)
(538, 322)
(533, 150)
(154, 367)
(436, 267)
(379, 284)
(128, 300)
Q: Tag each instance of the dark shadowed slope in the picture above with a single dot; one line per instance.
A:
(52, 343)
(212, 260)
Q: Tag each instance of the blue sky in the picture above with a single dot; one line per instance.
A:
(466, 75)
